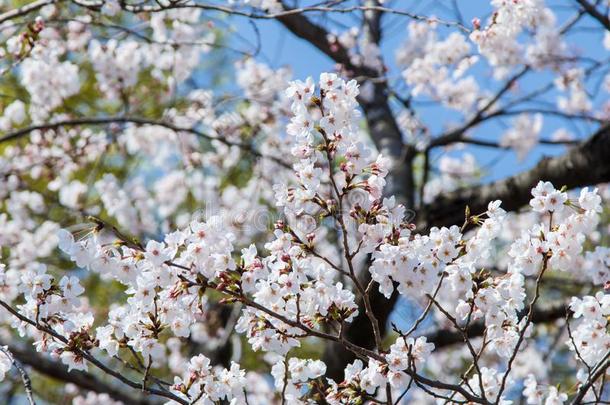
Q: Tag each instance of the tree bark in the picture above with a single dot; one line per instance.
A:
(583, 165)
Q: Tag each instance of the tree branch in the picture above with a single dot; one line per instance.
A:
(595, 13)
(25, 378)
(581, 166)
(28, 8)
(134, 120)
(497, 145)
(301, 26)
(86, 355)
(599, 371)
(82, 379)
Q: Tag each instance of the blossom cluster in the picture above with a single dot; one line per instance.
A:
(436, 67)
(499, 42)
(523, 135)
(202, 383)
(291, 377)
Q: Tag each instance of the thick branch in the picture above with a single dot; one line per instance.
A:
(581, 166)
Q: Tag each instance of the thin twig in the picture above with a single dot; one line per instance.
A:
(25, 378)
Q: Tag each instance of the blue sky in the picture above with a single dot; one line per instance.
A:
(280, 48)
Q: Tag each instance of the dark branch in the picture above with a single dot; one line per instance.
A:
(82, 379)
(91, 359)
(595, 13)
(497, 145)
(581, 166)
(301, 26)
(28, 8)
